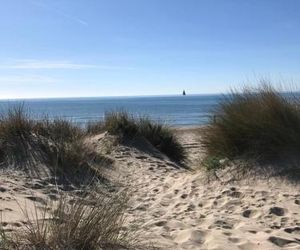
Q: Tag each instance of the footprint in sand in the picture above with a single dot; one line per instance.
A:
(221, 224)
(281, 242)
(3, 189)
(160, 223)
(250, 213)
(36, 199)
(183, 196)
(189, 235)
(295, 230)
(234, 239)
(278, 211)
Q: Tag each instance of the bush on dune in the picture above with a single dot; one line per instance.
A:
(159, 135)
(256, 123)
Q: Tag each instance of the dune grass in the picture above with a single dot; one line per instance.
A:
(58, 130)
(92, 222)
(57, 144)
(15, 135)
(255, 123)
(93, 128)
(121, 123)
(161, 136)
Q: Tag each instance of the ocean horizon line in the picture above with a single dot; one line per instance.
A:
(104, 97)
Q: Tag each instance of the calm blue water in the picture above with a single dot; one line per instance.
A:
(174, 110)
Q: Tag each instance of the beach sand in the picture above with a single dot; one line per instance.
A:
(178, 208)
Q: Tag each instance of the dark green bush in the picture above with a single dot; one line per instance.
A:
(260, 123)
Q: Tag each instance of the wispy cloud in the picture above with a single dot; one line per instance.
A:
(27, 79)
(54, 64)
(58, 12)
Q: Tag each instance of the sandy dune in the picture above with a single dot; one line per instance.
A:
(177, 208)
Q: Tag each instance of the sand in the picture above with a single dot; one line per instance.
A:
(177, 208)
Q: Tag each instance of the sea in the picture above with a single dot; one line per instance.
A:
(189, 110)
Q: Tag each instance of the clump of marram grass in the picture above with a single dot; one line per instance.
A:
(256, 123)
(162, 137)
(121, 123)
(58, 130)
(59, 145)
(93, 128)
(72, 162)
(159, 135)
(93, 222)
(15, 130)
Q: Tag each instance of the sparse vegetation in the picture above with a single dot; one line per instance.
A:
(159, 135)
(93, 222)
(256, 123)
(211, 163)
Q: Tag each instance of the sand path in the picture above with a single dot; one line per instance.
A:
(178, 209)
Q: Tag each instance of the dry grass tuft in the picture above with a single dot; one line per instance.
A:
(15, 136)
(257, 123)
(93, 222)
(121, 123)
(59, 145)
(93, 128)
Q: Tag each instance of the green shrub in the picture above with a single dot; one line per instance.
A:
(259, 123)
(211, 163)
(159, 135)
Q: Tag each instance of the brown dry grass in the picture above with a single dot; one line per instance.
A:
(93, 222)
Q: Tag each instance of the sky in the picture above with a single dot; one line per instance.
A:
(68, 48)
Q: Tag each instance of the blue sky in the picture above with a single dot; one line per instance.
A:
(61, 48)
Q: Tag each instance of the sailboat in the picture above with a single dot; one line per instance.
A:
(183, 92)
